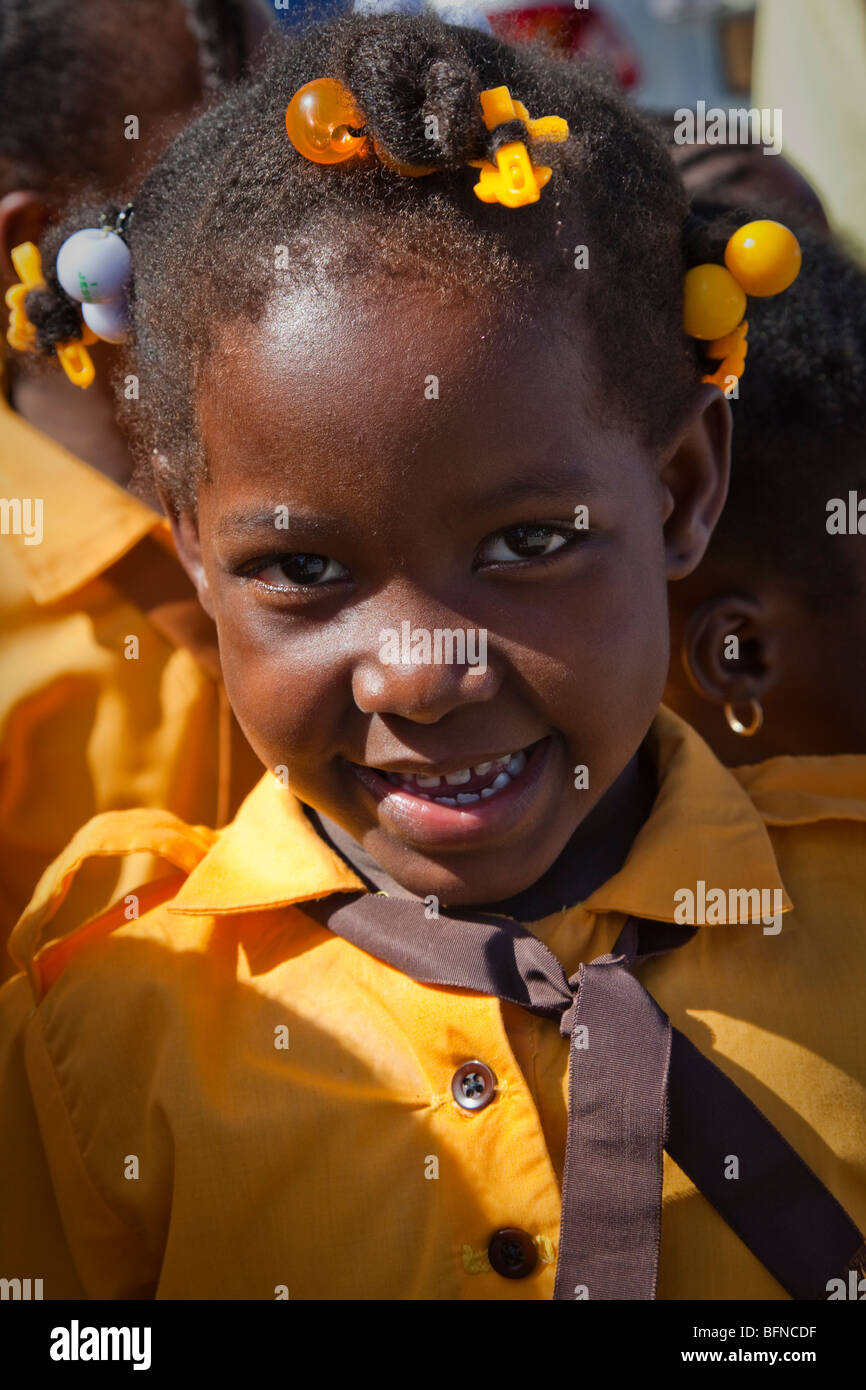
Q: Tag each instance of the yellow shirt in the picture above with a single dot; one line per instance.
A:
(100, 708)
(223, 1099)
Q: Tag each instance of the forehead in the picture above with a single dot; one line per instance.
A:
(345, 388)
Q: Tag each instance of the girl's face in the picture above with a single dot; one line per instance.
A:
(388, 544)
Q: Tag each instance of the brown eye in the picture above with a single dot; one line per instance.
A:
(533, 541)
(300, 570)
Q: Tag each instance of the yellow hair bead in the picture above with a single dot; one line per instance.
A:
(714, 302)
(764, 257)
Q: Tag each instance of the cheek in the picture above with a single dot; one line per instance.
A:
(604, 638)
(285, 687)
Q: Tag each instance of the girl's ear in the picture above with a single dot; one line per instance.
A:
(695, 477)
(729, 649)
(184, 532)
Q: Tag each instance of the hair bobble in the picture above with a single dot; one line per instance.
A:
(761, 259)
(93, 268)
(325, 125)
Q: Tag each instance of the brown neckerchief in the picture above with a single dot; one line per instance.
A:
(637, 1085)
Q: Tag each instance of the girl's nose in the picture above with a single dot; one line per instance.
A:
(423, 673)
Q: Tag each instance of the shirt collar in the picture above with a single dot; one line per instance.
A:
(269, 856)
(88, 522)
(703, 826)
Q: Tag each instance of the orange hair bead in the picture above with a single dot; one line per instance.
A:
(764, 257)
(714, 302)
(732, 349)
(318, 119)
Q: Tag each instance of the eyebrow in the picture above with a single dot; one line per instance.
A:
(546, 480)
(552, 481)
(244, 523)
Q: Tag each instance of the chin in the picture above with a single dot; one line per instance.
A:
(457, 883)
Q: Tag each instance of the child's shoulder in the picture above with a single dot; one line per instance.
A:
(790, 791)
(67, 522)
(814, 811)
(63, 918)
(199, 887)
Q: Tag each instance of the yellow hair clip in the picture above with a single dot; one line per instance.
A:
(72, 353)
(514, 180)
(326, 126)
(28, 267)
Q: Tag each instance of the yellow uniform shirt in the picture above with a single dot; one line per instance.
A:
(222, 1099)
(100, 708)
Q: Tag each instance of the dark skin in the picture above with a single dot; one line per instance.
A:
(415, 502)
(162, 86)
(806, 665)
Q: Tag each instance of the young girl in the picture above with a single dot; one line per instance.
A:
(431, 461)
(768, 635)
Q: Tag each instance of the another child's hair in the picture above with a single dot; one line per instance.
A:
(53, 80)
(212, 214)
(799, 424)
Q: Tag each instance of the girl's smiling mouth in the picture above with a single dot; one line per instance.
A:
(479, 802)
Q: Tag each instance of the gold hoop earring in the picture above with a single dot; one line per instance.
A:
(755, 721)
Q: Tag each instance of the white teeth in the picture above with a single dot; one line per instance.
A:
(506, 768)
(516, 764)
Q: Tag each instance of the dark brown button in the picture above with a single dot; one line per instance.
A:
(473, 1085)
(512, 1253)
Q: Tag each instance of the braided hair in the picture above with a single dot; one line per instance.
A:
(232, 191)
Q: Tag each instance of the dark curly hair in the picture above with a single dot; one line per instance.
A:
(82, 59)
(799, 422)
(232, 189)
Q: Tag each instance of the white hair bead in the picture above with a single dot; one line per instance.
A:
(108, 321)
(93, 265)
